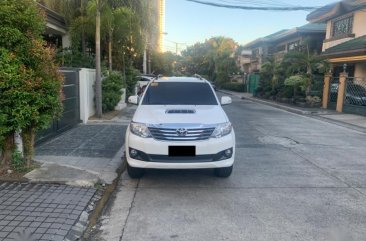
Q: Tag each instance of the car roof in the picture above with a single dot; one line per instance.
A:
(181, 79)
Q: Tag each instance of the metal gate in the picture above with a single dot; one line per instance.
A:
(333, 93)
(71, 112)
(253, 83)
(355, 96)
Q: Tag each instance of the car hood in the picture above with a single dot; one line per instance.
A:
(172, 114)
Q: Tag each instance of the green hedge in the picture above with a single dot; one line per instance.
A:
(111, 89)
(239, 87)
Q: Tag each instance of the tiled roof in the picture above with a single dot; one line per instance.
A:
(283, 34)
(312, 27)
(265, 39)
(355, 46)
(334, 10)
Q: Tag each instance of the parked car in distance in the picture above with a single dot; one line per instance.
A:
(179, 124)
(213, 85)
(355, 94)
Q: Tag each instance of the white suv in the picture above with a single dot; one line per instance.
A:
(179, 124)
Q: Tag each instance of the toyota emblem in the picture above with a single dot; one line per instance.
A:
(181, 132)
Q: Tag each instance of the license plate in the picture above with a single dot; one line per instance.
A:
(182, 151)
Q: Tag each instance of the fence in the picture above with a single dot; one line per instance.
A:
(333, 92)
(355, 96)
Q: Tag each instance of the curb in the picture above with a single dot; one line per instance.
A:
(90, 216)
(105, 197)
(340, 123)
(282, 107)
(311, 114)
(279, 106)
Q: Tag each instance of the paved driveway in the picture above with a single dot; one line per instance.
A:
(98, 140)
(83, 155)
(295, 178)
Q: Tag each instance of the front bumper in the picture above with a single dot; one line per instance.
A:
(208, 153)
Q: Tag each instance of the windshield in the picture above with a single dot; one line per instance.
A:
(179, 93)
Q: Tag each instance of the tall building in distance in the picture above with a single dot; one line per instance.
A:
(157, 16)
(161, 9)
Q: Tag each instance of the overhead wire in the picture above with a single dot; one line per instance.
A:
(255, 7)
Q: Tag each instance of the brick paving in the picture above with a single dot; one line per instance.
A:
(40, 211)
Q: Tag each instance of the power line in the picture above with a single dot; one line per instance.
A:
(268, 8)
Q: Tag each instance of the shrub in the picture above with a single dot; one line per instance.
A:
(74, 58)
(30, 84)
(233, 87)
(131, 80)
(286, 92)
(111, 91)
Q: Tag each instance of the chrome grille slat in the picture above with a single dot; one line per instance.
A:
(170, 134)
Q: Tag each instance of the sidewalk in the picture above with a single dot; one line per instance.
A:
(85, 155)
(356, 122)
(60, 199)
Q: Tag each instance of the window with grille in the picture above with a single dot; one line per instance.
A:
(342, 26)
(294, 45)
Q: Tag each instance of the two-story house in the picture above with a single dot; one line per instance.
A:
(278, 44)
(345, 41)
(243, 60)
(260, 50)
(345, 49)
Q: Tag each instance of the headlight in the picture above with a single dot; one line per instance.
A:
(222, 130)
(140, 129)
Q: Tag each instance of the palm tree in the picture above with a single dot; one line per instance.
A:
(306, 63)
(98, 74)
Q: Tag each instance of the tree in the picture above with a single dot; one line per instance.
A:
(213, 58)
(304, 62)
(271, 73)
(296, 81)
(30, 86)
(94, 9)
(164, 63)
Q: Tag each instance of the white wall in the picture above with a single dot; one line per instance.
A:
(66, 41)
(86, 89)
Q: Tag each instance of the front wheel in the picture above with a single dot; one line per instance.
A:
(135, 172)
(224, 171)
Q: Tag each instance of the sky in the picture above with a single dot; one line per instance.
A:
(187, 23)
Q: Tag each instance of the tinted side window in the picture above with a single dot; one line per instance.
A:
(179, 93)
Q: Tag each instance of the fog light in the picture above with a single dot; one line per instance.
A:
(133, 153)
(228, 152)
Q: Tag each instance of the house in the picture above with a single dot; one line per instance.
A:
(260, 51)
(243, 60)
(345, 48)
(278, 44)
(56, 32)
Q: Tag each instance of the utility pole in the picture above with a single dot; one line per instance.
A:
(176, 45)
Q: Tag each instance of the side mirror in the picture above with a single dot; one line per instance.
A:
(225, 100)
(133, 99)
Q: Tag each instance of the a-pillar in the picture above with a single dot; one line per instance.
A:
(326, 87)
(341, 91)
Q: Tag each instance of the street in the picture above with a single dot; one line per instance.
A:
(295, 178)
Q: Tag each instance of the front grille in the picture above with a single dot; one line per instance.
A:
(170, 134)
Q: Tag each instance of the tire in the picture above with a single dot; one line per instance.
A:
(135, 172)
(347, 101)
(224, 171)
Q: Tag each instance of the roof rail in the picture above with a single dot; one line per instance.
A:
(198, 76)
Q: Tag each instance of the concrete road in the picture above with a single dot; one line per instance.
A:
(295, 178)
